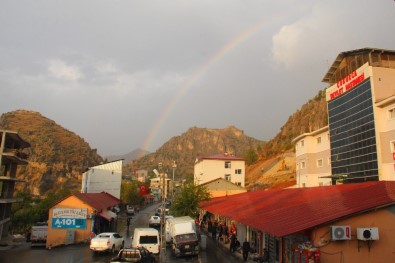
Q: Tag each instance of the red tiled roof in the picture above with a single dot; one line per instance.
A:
(99, 201)
(281, 212)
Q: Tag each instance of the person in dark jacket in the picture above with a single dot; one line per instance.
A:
(214, 232)
(232, 247)
(246, 249)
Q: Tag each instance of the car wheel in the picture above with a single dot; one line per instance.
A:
(113, 249)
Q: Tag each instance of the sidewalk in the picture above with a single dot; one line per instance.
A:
(11, 241)
(237, 256)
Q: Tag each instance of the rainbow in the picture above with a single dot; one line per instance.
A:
(197, 74)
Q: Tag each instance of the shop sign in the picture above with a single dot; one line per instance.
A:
(69, 218)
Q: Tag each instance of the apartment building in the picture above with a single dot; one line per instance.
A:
(313, 158)
(227, 166)
(12, 154)
(103, 178)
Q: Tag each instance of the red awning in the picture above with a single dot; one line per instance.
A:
(108, 215)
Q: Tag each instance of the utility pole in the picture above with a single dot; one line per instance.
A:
(162, 255)
(172, 183)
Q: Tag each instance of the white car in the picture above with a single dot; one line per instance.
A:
(130, 210)
(108, 241)
(154, 221)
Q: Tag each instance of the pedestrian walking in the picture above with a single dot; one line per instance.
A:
(220, 231)
(214, 232)
(232, 246)
(246, 249)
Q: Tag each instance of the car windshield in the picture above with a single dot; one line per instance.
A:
(148, 239)
(186, 237)
(104, 236)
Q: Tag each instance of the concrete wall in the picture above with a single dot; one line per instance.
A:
(57, 237)
(351, 251)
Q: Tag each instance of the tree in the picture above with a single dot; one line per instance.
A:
(251, 157)
(130, 192)
(187, 199)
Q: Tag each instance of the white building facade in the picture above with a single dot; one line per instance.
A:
(312, 154)
(227, 166)
(103, 178)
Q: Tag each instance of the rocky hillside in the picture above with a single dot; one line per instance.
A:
(57, 158)
(276, 167)
(195, 142)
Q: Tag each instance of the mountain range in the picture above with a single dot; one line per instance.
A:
(58, 157)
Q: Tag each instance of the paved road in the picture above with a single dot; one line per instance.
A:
(81, 254)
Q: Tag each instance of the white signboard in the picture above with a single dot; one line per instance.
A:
(69, 218)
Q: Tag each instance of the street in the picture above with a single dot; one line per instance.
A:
(80, 253)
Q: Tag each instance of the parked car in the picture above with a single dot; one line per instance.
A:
(38, 235)
(136, 255)
(130, 210)
(154, 221)
(108, 241)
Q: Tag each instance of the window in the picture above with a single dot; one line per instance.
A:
(392, 146)
(391, 113)
(318, 140)
(227, 165)
(238, 183)
(227, 177)
(319, 163)
(301, 143)
(302, 165)
(238, 171)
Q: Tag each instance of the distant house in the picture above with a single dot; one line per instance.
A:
(221, 187)
(79, 216)
(226, 166)
(156, 187)
(11, 156)
(103, 178)
(313, 158)
(141, 175)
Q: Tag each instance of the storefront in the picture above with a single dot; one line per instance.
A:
(80, 216)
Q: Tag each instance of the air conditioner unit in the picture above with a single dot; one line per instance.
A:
(341, 232)
(367, 233)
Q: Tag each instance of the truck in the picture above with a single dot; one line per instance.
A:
(38, 235)
(182, 236)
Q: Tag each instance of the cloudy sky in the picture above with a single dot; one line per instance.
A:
(128, 74)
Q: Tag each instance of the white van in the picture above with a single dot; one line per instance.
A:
(146, 237)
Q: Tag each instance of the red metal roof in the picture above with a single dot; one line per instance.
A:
(281, 212)
(99, 201)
